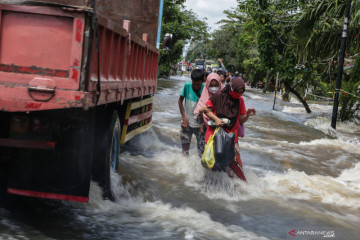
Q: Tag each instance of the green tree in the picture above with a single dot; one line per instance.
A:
(184, 26)
(299, 39)
(224, 42)
(319, 26)
(348, 100)
(318, 34)
(248, 54)
(196, 50)
(273, 22)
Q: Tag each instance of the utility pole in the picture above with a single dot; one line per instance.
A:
(341, 65)
(276, 87)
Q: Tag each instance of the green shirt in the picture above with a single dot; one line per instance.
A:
(191, 100)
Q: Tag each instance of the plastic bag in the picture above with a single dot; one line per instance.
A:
(208, 158)
(224, 148)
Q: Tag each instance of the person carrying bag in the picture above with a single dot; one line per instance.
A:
(228, 103)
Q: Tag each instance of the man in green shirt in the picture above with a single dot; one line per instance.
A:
(191, 93)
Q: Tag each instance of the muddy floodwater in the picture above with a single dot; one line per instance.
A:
(302, 177)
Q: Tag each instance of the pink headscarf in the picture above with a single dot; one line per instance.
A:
(206, 94)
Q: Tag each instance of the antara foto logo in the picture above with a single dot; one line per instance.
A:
(292, 233)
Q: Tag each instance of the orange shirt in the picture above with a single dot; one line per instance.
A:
(210, 130)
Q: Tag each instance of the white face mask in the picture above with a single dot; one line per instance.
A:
(213, 90)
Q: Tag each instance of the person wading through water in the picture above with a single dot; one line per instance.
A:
(212, 86)
(191, 92)
(228, 103)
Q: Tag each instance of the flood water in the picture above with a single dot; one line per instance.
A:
(300, 176)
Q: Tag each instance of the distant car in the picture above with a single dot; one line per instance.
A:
(200, 64)
(260, 84)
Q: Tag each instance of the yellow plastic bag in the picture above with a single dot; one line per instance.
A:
(208, 157)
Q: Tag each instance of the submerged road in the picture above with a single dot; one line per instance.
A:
(300, 179)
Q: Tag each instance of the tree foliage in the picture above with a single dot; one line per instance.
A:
(349, 102)
(298, 39)
(184, 27)
(196, 50)
(224, 42)
(319, 27)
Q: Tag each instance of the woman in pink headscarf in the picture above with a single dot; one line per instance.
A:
(212, 86)
(228, 103)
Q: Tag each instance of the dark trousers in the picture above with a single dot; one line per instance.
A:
(186, 135)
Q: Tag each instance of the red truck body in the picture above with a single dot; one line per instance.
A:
(75, 82)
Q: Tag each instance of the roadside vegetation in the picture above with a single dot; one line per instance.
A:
(185, 27)
(298, 40)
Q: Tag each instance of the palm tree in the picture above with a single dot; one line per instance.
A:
(318, 34)
(319, 27)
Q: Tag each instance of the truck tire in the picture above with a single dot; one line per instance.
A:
(106, 151)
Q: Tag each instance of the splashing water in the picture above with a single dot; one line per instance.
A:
(297, 175)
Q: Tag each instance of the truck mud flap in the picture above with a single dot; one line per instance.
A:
(39, 177)
(63, 173)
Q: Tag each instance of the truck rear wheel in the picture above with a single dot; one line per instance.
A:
(112, 155)
(106, 151)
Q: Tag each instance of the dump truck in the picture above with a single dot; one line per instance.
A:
(77, 79)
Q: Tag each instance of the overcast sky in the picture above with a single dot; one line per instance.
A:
(211, 9)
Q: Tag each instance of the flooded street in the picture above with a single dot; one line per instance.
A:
(299, 177)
